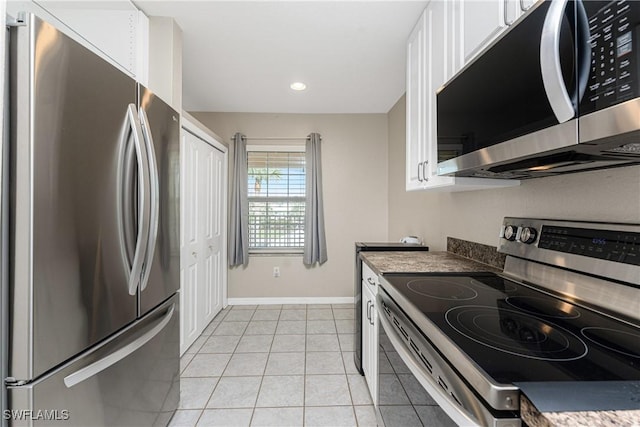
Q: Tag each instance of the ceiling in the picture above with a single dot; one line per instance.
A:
(241, 56)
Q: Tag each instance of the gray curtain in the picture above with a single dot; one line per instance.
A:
(315, 244)
(239, 221)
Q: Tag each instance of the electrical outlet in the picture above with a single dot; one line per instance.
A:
(276, 271)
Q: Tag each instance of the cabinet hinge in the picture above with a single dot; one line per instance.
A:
(19, 21)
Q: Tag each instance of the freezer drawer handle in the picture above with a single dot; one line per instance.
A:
(113, 358)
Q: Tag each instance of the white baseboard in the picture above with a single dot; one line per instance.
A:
(290, 300)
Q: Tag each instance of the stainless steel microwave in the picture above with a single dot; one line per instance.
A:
(558, 92)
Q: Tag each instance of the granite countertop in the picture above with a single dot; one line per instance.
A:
(448, 262)
(422, 262)
(534, 418)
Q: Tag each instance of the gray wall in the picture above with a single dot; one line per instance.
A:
(607, 195)
(354, 161)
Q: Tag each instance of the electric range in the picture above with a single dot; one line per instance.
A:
(560, 324)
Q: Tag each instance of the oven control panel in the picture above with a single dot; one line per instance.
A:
(602, 249)
(617, 246)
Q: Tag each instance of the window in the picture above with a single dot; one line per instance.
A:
(276, 195)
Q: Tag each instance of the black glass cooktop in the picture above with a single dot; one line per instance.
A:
(518, 334)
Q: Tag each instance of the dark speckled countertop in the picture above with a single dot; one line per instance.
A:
(422, 262)
(449, 262)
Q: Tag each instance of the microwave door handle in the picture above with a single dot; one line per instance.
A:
(554, 86)
(583, 36)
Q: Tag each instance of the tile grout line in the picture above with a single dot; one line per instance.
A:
(305, 351)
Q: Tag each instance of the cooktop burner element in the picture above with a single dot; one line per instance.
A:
(516, 333)
(546, 307)
(625, 343)
(442, 288)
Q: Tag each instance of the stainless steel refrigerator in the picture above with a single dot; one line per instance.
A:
(90, 190)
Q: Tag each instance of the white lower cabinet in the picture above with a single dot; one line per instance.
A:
(203, 235)
(370, 332)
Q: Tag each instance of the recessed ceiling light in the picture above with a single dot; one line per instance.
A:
(298, 86)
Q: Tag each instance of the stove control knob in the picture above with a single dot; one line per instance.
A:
(528, 235)
(510, 232)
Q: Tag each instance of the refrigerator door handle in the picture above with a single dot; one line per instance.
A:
(154, 197)
(125, 187)
(100, 365)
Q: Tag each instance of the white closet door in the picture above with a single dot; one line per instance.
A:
(211, 168)
(203, 237)
(190, 272)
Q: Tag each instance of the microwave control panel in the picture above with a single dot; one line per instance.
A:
(614, 76)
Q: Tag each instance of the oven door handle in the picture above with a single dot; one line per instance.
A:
(456, 412)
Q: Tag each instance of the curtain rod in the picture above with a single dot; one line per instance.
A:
(273, 138)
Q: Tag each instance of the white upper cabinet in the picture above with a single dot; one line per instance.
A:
(415, 99)
(116, 30)
(435, 52)
(484, 20)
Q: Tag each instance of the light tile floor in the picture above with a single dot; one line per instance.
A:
(275, 365)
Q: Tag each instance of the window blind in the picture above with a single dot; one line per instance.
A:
(276, 196)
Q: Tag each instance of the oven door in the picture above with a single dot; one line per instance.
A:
(416, 386)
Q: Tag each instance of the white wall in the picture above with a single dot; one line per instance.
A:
(354, 162)
(165, 60)
(611, 195)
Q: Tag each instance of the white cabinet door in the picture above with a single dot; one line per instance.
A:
(366, 337)
(372, 381)
(438, 48)
(115, 30)
(203, 211)
(482, 21)
(370, 330)
(415, 101)
(437, 43)
(367, 340)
